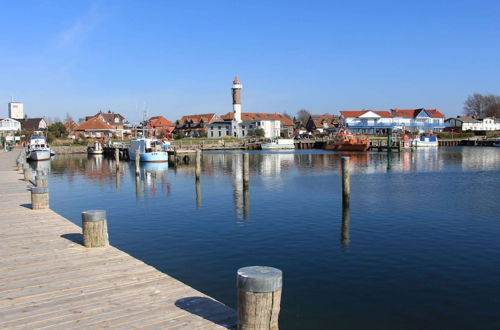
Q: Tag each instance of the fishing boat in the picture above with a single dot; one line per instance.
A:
(345, 141)
(496, 143)
(425, 141)
(38, 149)
(274, 144)
(95, 148)
(150, 150)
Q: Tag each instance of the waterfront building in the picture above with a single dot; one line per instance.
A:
(195, 125)
(70, 127)
(33, 124)
(367, 121)
(377, 122)
(470, 123)
(95, 128)
(419, 120)
(161, 126)
(16, 110)
(319, 124)
(115, 120)
(8, 129)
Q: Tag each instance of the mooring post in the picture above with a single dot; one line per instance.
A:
(117, 158)
(389, 139)
(344, 233)
(346, 182)
(41, 180)
(95, 229)
(28, 174)
(259, 297)
(198, 194)
(39, 198)
(197, 170)
(137, 156)
(246, 169)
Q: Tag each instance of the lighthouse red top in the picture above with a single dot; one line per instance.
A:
(236, 80)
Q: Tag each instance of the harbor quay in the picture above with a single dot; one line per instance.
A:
(50, 279)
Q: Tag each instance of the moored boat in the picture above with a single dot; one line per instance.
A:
(345, 141)
(38, 149)
(274, 144)
(150, 150)
(425, 141)
(95, 148)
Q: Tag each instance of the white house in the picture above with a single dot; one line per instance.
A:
(466, 123)
(366, 121)
(9, 125)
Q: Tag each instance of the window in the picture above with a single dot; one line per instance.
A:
(258, 123)
(220, 133)
(220, 127)
(243, 126)
(251, 126)
(211, 134)
(117, 120)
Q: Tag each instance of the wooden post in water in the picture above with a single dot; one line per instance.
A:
(197, 170)
(137, 186)
(389, 139)
(41, 180)
(198, 194)
(344, 233)
(259, 297)
(137, 157)
(246, 169)
(117, 158)
(346, 182)
(39, 198)
(95, 229)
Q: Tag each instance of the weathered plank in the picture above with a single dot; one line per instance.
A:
(45, 282)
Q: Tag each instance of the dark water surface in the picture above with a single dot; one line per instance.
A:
(419, 249)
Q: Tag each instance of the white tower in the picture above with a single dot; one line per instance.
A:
(16, 110)
(236, 89)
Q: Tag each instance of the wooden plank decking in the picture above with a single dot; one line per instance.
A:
(49, 280)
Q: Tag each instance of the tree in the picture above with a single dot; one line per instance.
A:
(481, 106)
(303, 116)
(57, 130)
(287, 115)
(259, 132)
(68, 118)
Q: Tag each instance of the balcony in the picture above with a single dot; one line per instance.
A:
(387, 125)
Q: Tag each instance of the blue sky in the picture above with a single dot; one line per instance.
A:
(179, 57)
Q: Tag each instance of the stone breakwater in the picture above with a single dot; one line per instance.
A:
(69, 149)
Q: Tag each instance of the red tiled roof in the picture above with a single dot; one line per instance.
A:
(160, 121)
(434, 113)
(318, 120)
(357, 113)
(93, 123)
(207, 118)
(260, 116)
(412, 113)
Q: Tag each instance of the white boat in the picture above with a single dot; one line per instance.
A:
(496, 143)
(38, 149)
(150, 150)
(273, 144)
(425, 141)
(95, 148)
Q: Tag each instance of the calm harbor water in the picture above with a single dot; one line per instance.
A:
(419, 248)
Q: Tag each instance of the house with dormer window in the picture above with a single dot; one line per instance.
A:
(194, 125)
(367, 121)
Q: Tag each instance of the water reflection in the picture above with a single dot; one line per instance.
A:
(344, 232)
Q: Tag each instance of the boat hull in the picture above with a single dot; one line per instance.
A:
(38, 155)
(151, 157)
(277, 146)
(346, 146)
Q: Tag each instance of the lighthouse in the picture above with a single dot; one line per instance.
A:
(236, 89)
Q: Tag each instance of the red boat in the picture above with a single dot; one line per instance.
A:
(347, 142)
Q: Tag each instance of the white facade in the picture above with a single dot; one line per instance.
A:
(220, 129)
(9, 125)
(16, 110)
(466, 124)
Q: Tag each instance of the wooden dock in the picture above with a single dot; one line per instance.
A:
(49, 280)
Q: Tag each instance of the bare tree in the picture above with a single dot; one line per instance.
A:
(303, 116)
(287, 115)
(68, 118)
(481, 106)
